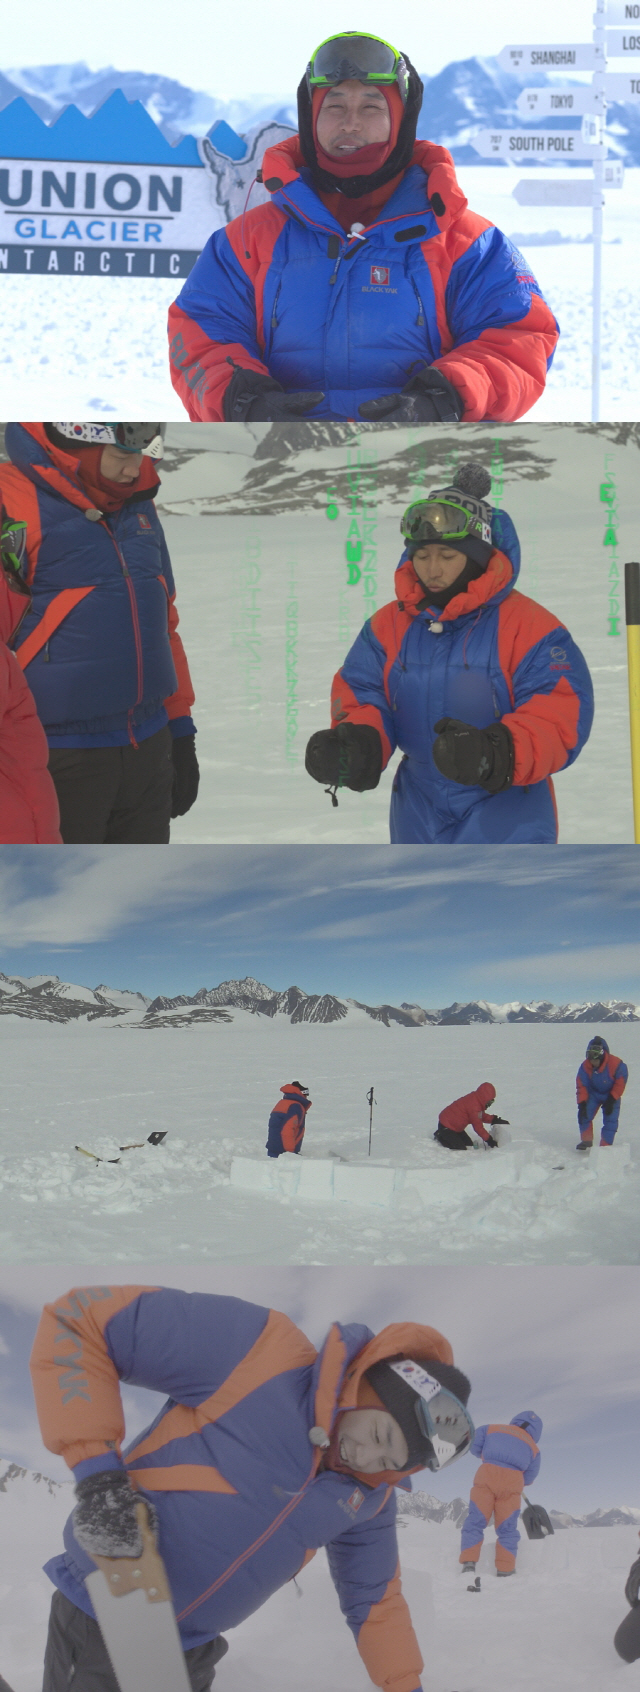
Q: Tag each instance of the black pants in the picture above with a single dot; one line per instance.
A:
(455, 1141)
(115, 795)
(76, 1658)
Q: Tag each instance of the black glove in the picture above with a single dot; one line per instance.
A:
(250, 395)
(474, 757)
(499, 1122)
(426, 398)
(491, 1142)
(609, 1105)
(582, 1111)
(347, 756)
(104, 1519)
(632, 1588)
(186, 774)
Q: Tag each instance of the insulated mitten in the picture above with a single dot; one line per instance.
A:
(104, 1519)
(347, 756)
(474, 757)
(499, 1121)
(582, 1111)
(250, 395)
(426, 398)
(186, 774)
(609, 1105)
(491, 1142)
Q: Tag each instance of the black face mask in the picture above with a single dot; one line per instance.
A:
(400, 157)
(470, 573)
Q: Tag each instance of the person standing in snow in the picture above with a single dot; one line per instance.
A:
(98, 639)
(469, 1112)
(287, 1119)
(484, 690)
(265, 1450)
(600, 1083)
(29, 813)
(627, 1637)
(510, 1461)
(365, 287)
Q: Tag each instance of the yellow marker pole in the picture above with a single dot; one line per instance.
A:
(632, 617)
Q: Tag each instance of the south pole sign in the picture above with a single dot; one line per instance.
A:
(586, 145)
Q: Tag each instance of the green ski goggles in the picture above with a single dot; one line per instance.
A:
(431, 520)
(13, 544)
(358, 58)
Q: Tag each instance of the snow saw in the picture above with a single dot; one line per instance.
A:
(132, 1603)
(535, 1521)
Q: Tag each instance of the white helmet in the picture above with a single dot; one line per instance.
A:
(147, 438)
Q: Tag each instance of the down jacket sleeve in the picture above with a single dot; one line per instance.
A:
(502, 335)
(29, 812)
(220, 329)
(358, 693)
(550, 688)
(365, 1572)
(533, 1470)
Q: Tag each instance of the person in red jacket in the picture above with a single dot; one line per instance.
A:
(287, 1119)
(468, 1112)
(29, 813)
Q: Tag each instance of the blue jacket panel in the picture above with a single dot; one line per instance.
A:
(495, 1444)
(108, 668)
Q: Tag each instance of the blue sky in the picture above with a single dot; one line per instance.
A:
(559, 1341)
(234, 52)
(376, 923)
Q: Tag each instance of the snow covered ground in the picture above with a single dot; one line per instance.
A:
(249, 583)
(551, 1626)
(92, 346)
(212, 1088)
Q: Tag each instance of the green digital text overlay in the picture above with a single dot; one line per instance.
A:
(609, 498)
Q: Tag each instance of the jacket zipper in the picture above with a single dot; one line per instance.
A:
(136, 634)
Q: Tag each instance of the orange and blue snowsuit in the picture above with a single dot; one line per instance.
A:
(241, 1498)
(98, 640)
(491, 655)
(29, 812)
(594, 1087)
(283, 290)
(287, 1121)
(511, 1461)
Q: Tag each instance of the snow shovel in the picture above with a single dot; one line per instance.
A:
(154, 1139)
(132, 1603)
(535, 1521)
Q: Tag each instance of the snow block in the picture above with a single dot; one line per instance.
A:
(608, 1163)
(266, 1175)
(315, 1179)
(460, 1175)
(362, 1183)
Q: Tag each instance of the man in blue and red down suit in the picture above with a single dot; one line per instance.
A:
(510, 1461)
(98, 640)
(287, 1119)
(365, 287)
(484, 690)
(600, 1084)
(265, 1451)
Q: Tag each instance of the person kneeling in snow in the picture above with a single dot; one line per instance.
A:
(600, 1083)
(468, 1112)
(29, 813)
(511, 1461)
(484, 690)
(365, 288)
(287, 1119)
(265, 1451)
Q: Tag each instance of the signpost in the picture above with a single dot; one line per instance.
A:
(616, 32)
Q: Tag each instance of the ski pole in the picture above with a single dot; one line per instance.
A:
(632, 617)
(371, 1101)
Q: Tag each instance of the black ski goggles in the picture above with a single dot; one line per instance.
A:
(439, 520)
(358, 58)
(595, 1055)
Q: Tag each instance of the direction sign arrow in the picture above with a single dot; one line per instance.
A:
(583, 56)
(623, 12)
(563, 100)
(623, 85)
(538, 144)
(623, 43)
(554, 193)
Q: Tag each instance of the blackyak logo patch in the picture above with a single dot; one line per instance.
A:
(143, 522)
(380, 274)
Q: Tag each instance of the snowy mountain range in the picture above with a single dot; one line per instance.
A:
(466, 95)
(47, 999)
